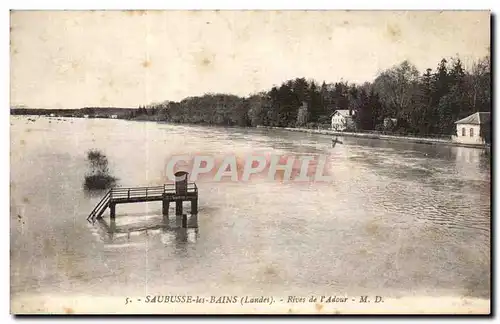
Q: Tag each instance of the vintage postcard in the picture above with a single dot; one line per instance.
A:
(250, 162)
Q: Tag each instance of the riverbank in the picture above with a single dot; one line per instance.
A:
(394, 138)
(420, 140)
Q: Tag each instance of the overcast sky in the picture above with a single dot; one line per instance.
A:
(72, 59)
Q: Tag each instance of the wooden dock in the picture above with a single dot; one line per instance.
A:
(176, 192)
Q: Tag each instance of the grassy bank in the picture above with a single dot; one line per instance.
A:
(145, 118)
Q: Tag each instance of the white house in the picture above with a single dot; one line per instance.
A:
(469, 128)
(342, 119)
(390, 122)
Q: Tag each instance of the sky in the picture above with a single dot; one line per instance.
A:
(74, 59)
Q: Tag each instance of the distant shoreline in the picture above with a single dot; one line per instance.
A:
(393, 138)
(419, 140)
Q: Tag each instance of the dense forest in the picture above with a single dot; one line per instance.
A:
(421, 103)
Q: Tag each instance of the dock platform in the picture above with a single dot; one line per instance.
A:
(176, 192)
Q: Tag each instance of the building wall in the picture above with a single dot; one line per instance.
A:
(341, 123)
(389, 121)
(338, 122)
(467, 139)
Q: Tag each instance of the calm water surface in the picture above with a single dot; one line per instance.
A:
(398, 219)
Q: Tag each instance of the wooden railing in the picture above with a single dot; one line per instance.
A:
(139, 192)
(147, 192)
(103, 204)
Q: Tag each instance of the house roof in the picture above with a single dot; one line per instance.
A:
(476, 119)
(343, 112)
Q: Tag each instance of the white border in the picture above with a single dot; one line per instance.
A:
(200, 4)
(257, 4)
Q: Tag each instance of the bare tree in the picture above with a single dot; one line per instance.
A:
(397, 86)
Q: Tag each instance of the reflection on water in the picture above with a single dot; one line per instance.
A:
(110, 232)
(397, 219)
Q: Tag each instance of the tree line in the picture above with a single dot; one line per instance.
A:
(421, 103)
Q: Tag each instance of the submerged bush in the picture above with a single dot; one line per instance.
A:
(99, 182)
(98, 177)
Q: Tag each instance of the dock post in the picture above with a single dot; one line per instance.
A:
(178, 208)
(184, 221)
(194, 206)
(166, 205)
(112, 211)
(112, 227)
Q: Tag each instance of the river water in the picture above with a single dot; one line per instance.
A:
(398, 219)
